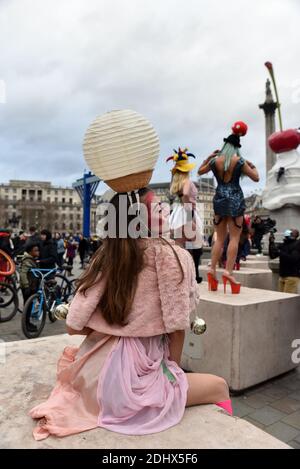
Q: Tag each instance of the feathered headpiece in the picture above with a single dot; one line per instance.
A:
(181, 158)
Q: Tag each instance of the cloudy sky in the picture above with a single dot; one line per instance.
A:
(192, 67)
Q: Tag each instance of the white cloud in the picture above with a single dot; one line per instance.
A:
(193, 67)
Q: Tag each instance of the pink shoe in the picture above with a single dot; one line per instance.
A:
(226, 405)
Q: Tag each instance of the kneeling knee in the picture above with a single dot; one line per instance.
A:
(222, 389)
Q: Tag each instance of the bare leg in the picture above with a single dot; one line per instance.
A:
(206, 389)
(221, 230)
(234, 238)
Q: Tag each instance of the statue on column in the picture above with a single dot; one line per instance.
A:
(282, 192)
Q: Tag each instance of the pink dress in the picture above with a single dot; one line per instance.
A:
(121, 378)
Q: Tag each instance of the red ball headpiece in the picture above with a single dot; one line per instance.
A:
(239, 128)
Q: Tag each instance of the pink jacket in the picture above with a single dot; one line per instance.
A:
(161, 304)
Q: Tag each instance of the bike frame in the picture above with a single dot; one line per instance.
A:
(39, 273)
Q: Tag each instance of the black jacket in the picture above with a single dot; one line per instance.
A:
(83, 246)
(289, 257)
(259, 229)
(48, 254)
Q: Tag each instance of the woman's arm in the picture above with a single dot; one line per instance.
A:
(205, 166)
(176, 345)
(250, 170)
(83, 306)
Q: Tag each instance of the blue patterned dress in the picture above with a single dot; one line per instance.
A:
(229, 198)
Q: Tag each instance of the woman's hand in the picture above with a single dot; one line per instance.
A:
(214, 154)
(205, 168)
(210, 157)
(176, 345)
(250, 164)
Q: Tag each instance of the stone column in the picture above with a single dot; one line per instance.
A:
(269, 107)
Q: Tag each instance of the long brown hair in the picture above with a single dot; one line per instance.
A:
(119, 260)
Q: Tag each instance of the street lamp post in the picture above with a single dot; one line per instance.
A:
(86, 188)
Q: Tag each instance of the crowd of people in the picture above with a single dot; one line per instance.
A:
(45, 251)
(54, 249)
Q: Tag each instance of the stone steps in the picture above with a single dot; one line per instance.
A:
(249, 263)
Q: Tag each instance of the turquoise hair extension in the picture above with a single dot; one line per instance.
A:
(228, 150)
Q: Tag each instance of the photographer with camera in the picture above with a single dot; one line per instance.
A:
(289, 260)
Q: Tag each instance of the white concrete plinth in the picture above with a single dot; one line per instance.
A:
(248, 338)
(27, 378)
(255, 264)
(251, 264)
(260, 257)
(251, 278)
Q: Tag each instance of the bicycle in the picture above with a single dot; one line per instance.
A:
(45, 300)
(64, 283)
(9, 300)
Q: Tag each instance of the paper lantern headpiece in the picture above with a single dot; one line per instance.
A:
(121, 148)
(181, 158)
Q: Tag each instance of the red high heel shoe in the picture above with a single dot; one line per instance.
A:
(235, 286)
(212, 282)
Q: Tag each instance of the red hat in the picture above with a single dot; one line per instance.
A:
(239, 128)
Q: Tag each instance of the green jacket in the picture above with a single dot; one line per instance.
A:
(27, 280)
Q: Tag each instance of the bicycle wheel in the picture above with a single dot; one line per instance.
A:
(6, 296)
(65, 287)
(34, 316)
(9, 302)
(73, 287)
(13, 282)
(21, 300)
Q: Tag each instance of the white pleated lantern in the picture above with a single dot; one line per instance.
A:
(121, 147)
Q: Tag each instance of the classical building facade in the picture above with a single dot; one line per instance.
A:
(40, 204)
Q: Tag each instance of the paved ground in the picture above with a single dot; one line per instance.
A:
(273, 406)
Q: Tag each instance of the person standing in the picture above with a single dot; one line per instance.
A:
(228, 166)
(19, 244)
(289, 260)
(71, 252)
(60, 247)
(48, 252)
(259, 231)
(28, 282)
(83, 247)
(33, 236)
(185, 223)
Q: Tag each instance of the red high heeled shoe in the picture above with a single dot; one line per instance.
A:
(212, 282)
(235, 286)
